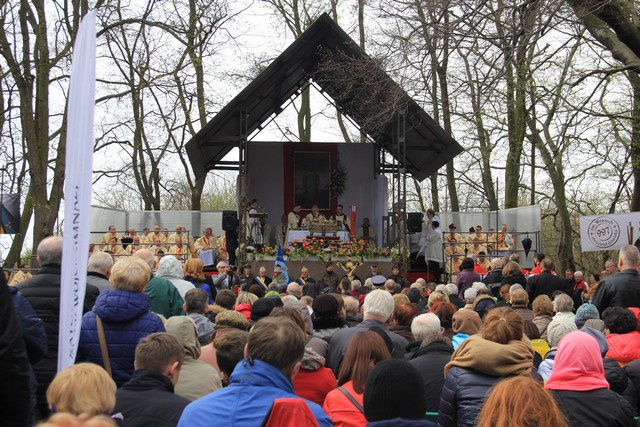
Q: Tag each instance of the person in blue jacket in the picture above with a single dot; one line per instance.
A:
(273, 356)
(125, 316)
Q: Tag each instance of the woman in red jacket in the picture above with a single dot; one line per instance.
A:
(345, 404)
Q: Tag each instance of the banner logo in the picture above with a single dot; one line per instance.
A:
(603, 232)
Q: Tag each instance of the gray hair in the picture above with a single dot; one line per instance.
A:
(452, 289)
(379, 303)
(479, 286)
(351, 305)
(562, 302)
(50, 250)
(147, 256)
(629, 256)
(470, 295)
(441, 288)
(496, 263)
(294, 289)
(514, 288)
(356, 284)
(100, 262)
(424, 325)
(578, 273)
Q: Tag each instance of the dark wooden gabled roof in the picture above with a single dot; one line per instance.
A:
(326, 54)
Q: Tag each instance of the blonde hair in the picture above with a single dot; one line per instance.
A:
(437, 296)
(85, 388)
(130, 274)
(69, 420)
(193, 269)
(520, 296)
(511, 267)
(401, 299)
(246, 297)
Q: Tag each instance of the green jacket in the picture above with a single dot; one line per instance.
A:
(165, 298)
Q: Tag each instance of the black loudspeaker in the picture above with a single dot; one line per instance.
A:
(414, 222)
(229, 220)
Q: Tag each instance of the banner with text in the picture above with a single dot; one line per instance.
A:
(77, 189)
(609, 232)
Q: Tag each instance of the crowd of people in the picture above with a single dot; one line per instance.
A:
(168, 345)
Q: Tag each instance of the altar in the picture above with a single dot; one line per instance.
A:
(300, 235)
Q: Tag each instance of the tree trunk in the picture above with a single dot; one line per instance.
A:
(634, 79)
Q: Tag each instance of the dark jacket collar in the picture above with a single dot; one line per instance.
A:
(146, 379)
(96, 274)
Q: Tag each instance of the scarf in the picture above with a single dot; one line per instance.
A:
(492, 358)
(577, 365)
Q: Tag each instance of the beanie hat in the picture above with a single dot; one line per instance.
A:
(585, 312)
(272, 293)
(394, 389)
(466, 322)
(600, 337)
(558, 329)
(231, 319)
(261, 308)
(325, 305)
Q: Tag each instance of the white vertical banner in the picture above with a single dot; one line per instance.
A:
(77, 189)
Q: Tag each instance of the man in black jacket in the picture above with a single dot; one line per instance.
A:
(43, 293)
(545, 283)
(621, 289)
(15, 402)
(148, 397)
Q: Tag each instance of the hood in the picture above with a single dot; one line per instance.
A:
(258, 373)
(466, 322)
(184, 329)
(114, 305)
(170, 268)
(578, 364)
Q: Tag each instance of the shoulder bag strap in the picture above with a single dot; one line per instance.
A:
(103, 346)
(352, 399)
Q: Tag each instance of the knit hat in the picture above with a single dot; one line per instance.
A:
(325, 306)
(600, 337)
(231, 319)
(466, 322)
(261, 308)
(585, 312)
(394, 389)
(272, 293)
(558, 329)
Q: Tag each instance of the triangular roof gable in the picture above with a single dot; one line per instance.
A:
(428, 146)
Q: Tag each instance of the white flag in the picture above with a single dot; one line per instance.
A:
(77, 189)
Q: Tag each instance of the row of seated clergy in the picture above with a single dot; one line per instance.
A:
(178, 244)
(479, 241)
(147, 238)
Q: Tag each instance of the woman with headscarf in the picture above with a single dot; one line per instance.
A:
(465, 324)
(578, 385)
(480, 362)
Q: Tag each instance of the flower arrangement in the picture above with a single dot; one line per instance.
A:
(338, 181)
(250, 249)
